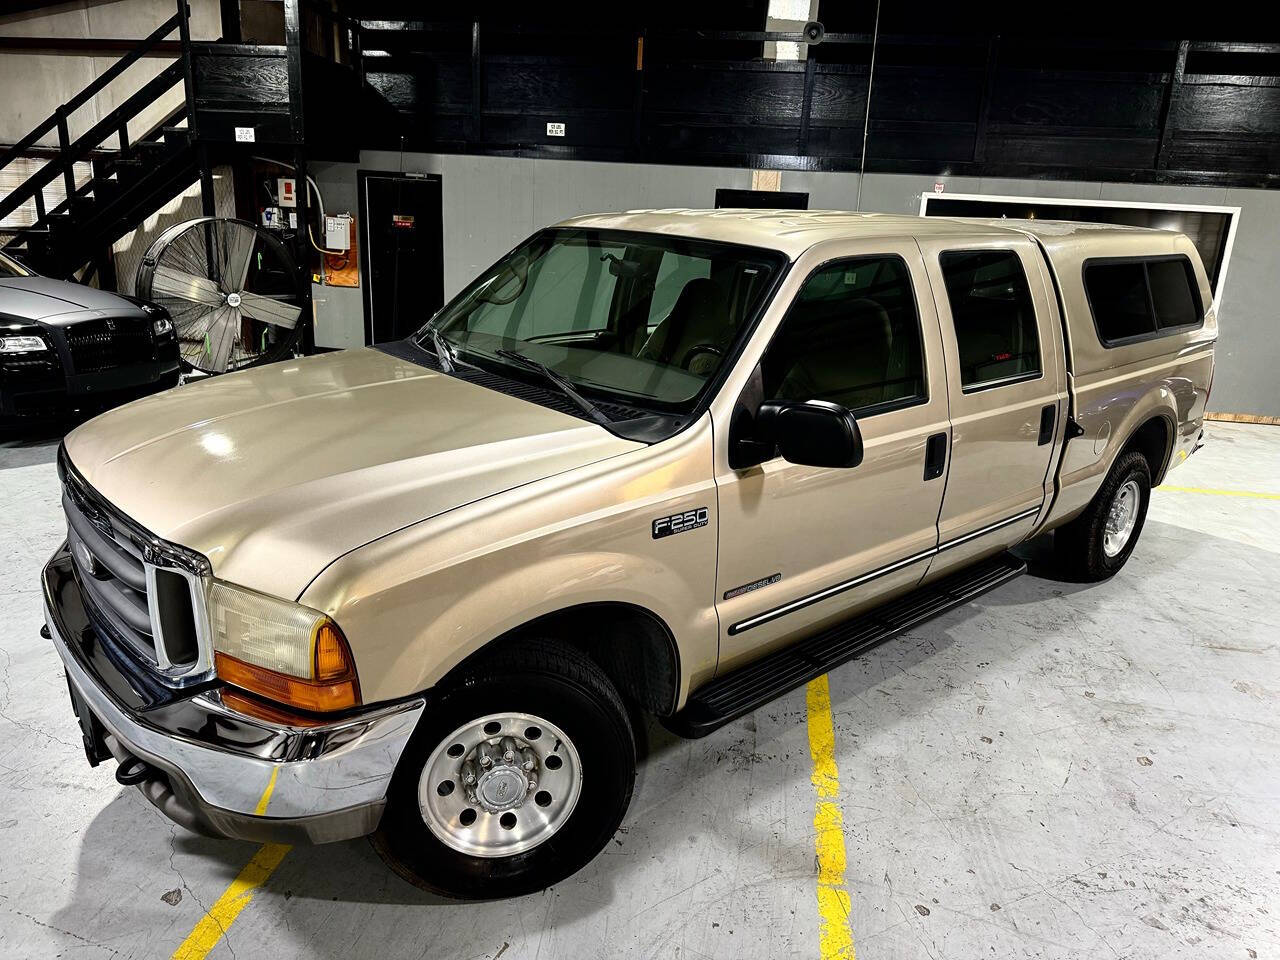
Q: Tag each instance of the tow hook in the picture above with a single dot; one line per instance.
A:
(133, 771)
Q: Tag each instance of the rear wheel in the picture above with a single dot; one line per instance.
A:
(516, 777)
(1097, 543)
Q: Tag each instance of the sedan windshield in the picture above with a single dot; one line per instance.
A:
(644, 318)
(11, 268)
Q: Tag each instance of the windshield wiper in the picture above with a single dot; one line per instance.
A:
(559, 381)
(443, 351)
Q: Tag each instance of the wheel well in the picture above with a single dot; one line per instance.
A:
(632, 645)
(1152, 440)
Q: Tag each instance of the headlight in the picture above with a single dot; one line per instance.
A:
(162, 326)
(283, 651)
(22, 344)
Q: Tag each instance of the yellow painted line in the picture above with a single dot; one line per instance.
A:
(835, 935)
(214, 924)
(1221, 493)
(261, 809)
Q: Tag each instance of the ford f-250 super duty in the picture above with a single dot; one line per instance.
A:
(674, 461)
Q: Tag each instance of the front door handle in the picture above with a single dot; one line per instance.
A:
(935, 456)
(1047, 416)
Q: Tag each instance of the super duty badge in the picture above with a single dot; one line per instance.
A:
(680, 522)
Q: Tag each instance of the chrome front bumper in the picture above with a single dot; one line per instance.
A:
(221, 772)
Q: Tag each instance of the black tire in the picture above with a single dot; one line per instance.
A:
(1078, 545)
(546, 679)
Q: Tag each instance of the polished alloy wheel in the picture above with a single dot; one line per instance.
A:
(1122, 517)
(500, 785)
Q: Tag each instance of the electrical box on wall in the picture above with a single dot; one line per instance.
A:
(286, 192)
(337, 232)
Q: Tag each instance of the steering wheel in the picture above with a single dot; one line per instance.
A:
(696, 351)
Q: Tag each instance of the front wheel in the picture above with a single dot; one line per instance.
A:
(516, 777)
(1097, 543)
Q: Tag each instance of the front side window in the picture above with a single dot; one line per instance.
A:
(851, 337)
(994, 317)
(643, 319)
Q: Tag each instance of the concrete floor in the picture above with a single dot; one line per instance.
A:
(1054, 771)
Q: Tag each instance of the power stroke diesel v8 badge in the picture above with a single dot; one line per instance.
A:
(680, 522)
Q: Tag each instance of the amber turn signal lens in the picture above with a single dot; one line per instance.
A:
(333, 657)
(253, 706)
(333, 686)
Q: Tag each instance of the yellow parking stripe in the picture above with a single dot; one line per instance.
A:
(835, 934)
(214, 924)
(1221, 493)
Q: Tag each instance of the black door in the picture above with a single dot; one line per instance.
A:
(404, 259)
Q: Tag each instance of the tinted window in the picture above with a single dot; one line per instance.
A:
(1118, 296)
(852, 337)
(11, 268)
(1171, 292)
(994, 317)
(1123, 294)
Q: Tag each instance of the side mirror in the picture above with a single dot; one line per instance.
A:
(814, 433)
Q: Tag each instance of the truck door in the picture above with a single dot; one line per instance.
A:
(802, 545)
(1005, 376)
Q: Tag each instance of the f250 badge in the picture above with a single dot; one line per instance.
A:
(680, 522)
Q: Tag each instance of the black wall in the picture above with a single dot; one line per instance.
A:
(1155, 101)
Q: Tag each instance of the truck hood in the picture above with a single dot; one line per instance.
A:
(273, 473)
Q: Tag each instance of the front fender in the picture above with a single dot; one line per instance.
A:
(415, 604)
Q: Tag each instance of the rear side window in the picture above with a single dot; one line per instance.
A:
(994, 317)
(1134, 299)
(852, 337)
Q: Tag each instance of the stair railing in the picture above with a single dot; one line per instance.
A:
(114, 124)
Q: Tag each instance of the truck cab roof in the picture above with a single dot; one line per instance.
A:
(795, 231)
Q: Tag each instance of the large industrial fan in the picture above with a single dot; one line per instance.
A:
(231, 289)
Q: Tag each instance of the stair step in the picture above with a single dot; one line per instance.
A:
(130, 169)
(178, 136)
(82, 207)
(151, 151)
(738, 693)
(105, 189)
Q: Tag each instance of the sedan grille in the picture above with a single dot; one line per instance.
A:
(110, 342)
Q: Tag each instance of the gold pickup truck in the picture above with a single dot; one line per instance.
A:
(676, 462)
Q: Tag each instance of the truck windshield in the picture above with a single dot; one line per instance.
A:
(645, 318)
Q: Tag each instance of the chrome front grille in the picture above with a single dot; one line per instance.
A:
(143, 591)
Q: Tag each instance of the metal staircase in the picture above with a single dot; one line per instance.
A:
(131, 177)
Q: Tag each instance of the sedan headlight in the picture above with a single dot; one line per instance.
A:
(284, 651)
(23, 344)
(162, 326)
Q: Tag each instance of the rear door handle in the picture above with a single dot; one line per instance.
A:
(935, 456)
(1047, 417)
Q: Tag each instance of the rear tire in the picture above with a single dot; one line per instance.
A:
(438, 831)
(1096, 544)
